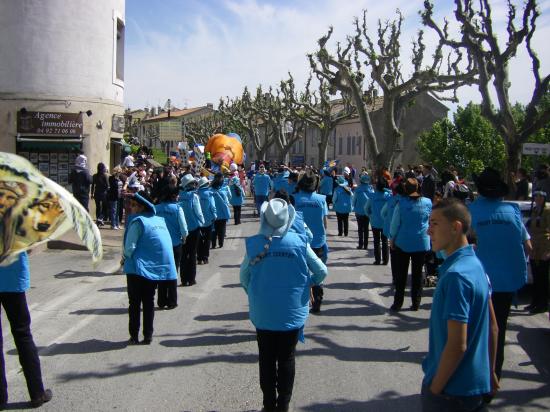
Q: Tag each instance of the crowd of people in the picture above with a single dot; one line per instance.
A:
(476, 247)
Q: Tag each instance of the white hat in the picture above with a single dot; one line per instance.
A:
(186, 180)
(276, 217)
(203, 181)
(81, 161)
(347, 170)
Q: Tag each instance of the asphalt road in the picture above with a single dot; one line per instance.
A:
(357, 356)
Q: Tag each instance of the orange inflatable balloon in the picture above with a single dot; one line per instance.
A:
(224, 150)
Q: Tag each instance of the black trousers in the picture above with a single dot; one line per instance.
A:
(237, 214)
(205, 237)
(539, 268)
(328, 199)
(363, 230)
(277, 366)
(188, 265)
(219, 232)
(101, 209)
(502, 302)
(168, 289)
(317, 290)
(17, 313)
(379, 237)
(343, 222)
(402, 260)
(141, 292)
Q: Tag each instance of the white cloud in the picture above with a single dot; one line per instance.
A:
(205, 57)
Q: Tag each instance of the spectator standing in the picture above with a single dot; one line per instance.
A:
(538, 227)
(81, 180)
(100, 187)
(114, 195)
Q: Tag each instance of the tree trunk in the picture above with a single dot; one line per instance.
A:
(322, 145)
(513, 163)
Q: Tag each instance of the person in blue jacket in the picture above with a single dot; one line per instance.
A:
(387, 215)
(275, 275)
(14, 282)
(190, 203)
(173, 216)
(315, 212)
(280, 182)
(237, 198)
(209, 212)
(148, 259)
(262, 185)
(292, 182)
(373, 209)
(502, 245)
(359, 201)
(459, 369)
(327, 185)
(410, 242)
(343, 199)
(223, 213)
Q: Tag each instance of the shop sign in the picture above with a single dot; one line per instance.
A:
(49, 123)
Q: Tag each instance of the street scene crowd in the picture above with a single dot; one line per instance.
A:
(461, 236)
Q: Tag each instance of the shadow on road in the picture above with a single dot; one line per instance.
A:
(69, 274)
(118, 289)
(387, 401)
(104, 311)
(230, 266)
(223, 317)
(208, 340)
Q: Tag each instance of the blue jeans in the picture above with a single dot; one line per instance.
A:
(450, 403)
(113, 209)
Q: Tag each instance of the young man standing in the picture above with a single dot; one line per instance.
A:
(460, 366)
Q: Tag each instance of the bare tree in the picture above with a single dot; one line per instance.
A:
(381, 58)
(199, 130)
(318, 110)
(492, 61)
(245, 113)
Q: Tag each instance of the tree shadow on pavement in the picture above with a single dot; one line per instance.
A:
(232, 286)
(345, 264)
(69, 274)
(532, 342)
(230, 266)
(387, 401)
(133, 368)
(223, 317)
(102, 311)
(332, 349)
(208, 340)
(79, 348)
(119, 289)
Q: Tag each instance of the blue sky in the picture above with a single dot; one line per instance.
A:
(194, 52)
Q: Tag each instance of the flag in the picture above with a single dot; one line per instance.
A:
(35, 209)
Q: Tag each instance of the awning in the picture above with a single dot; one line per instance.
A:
(33, 142)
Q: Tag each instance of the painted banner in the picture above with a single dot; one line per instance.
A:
(34, 209)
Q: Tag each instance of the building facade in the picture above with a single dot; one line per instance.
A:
(165, 130)
(62, 82)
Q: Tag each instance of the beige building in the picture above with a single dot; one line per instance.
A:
(165, 130)
(62, 82)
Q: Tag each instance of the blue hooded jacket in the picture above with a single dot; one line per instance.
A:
(191, 206)
(208, 206)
